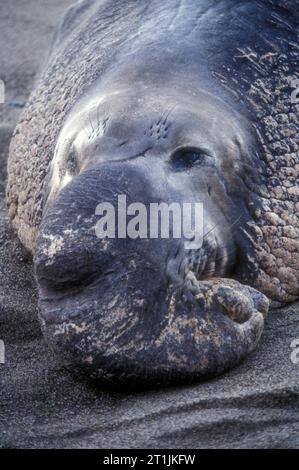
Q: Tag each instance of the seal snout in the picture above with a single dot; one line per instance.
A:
(138, 308)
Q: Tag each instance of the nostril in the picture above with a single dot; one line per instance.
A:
(68, 284)
(68, 273)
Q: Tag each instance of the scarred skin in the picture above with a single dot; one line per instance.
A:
(130, 93)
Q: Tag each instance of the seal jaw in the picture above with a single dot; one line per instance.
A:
(187, 339)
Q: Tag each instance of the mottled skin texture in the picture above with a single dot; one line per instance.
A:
(127, 86)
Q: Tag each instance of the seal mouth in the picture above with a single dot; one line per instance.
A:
(206, 278)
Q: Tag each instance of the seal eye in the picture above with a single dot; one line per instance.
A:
(186, 158)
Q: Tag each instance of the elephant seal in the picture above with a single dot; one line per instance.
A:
(175, 101)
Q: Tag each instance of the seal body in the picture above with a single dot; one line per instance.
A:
(180, 101)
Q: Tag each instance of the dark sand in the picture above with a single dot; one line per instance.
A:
(41, 405)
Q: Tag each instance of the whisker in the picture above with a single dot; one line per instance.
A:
(86, 130)
(226, 255)
(90, 121)
(216, 225)
(165, 118)
(236, 221)
(98, 116)
(210, 271)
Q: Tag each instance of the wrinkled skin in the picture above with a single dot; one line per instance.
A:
(160, 121)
